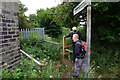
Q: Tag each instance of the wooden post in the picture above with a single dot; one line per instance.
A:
(40, 71)
(63, 46)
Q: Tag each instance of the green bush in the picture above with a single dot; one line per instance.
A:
(29, 69)
(26, 69)
(40, 49)
(106, 58)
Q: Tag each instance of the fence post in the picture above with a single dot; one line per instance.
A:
(33, 33)
(39, 33)
(36, 33)
(43, 34)
(26, 33)
(21, 33)
(63, 46)
(30, 33)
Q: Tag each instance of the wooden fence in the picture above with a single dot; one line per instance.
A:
(33, 33)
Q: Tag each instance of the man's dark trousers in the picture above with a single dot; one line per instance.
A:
(74, 56)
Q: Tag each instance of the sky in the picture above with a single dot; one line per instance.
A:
(33, 5)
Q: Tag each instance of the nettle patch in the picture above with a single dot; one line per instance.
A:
(40, 49)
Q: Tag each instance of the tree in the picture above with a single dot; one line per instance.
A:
(64, 15)
(106, 22)
(44, 19)
(23, 22)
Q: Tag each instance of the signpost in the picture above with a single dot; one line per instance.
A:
(80, 7)
(77, 9)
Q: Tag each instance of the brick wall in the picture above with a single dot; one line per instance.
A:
(9, 35)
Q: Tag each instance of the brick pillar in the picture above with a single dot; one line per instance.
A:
(10, 55)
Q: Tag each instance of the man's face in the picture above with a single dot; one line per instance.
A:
(74, 38)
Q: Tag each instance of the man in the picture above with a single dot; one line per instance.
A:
(80, 59)
(73, 43)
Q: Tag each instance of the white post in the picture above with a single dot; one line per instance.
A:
(26, 33)
(39, 33)
(21, 33)
(36, 33)
(30, 33)
(88, 36)
(43, 34)
(33, 32)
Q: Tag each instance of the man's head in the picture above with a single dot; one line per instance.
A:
(75, 37)
(74, 28)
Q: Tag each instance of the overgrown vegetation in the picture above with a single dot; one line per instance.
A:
(21, 71)
(105, 38)
(45, 52)
(40, 49)
(59, 20)
(28, 69)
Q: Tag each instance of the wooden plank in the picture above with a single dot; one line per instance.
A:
(52, 42)
(32, 58)
(69, 50)
(66, 53)
(68, 46)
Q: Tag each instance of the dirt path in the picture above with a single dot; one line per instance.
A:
(68, 62)
(69, 69)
